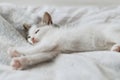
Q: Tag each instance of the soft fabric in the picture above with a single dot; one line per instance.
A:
(97, 65)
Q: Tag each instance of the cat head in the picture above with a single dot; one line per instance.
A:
(36, 32)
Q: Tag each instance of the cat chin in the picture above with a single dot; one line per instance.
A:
(32, 43)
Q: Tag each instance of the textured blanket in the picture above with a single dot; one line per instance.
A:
(98, 65)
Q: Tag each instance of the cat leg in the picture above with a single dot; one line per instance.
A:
(116, 40)
(116, 48)
(13, 53)
(35, 49)
(23, 62)
(20, 51)
(113, 36)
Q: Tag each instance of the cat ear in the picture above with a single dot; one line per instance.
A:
(26, 26)
(47, 19)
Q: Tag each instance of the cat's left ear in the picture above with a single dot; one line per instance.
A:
(47, 19)
(26, 26)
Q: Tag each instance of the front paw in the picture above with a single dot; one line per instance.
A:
(18, 63)
(13, 52)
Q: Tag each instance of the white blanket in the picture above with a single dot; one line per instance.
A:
(98, 65)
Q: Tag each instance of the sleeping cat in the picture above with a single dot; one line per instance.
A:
(48, 41)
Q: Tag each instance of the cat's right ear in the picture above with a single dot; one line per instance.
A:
(26, 26)
(47, 19)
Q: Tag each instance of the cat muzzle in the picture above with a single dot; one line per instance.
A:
(34, 40)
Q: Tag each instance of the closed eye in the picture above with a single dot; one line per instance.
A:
(37, 31)
(28, 36)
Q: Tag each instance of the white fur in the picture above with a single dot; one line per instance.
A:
(52, 41)
(78, 38)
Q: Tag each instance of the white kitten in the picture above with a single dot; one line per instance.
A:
(49, 41)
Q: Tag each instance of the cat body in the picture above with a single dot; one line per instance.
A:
(77, 38)
(49, 41)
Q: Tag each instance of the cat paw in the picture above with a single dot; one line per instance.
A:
(13, 52)
(116, 48)
(18, 63)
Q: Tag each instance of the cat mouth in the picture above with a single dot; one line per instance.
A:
(35, 41)
(32, 42)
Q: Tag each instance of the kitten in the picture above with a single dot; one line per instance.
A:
(49, 41)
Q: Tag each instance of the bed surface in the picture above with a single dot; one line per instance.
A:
(97, 65)
(64, 2)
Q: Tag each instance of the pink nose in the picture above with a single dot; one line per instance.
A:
(34, 40)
